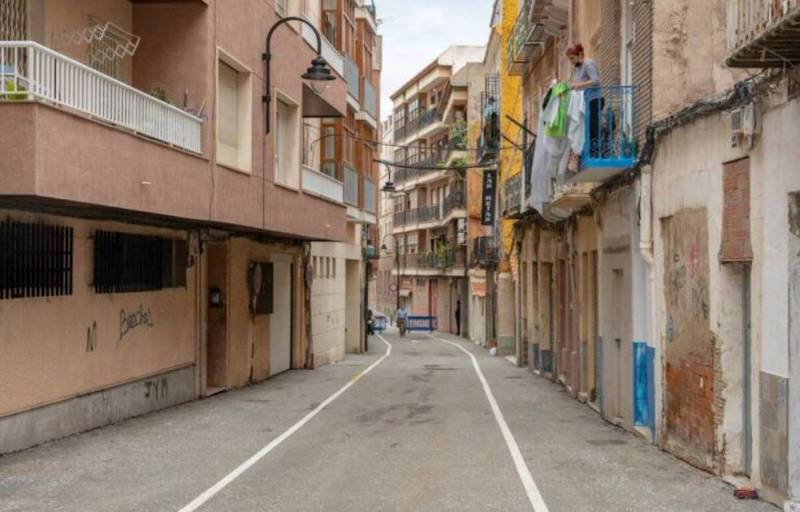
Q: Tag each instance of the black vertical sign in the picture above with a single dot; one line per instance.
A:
(489, 197)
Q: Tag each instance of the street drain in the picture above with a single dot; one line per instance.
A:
(606, 442)
(514, 377)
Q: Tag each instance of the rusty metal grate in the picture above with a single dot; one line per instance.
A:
(35, 260)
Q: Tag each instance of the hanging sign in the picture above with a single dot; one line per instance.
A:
(489, 197)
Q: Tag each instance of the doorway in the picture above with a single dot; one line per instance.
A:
(280, 324)
(216, 367)
(613, 392)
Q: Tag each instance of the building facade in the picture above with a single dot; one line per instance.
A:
(166, 232)
(430, 161)
(652, 268)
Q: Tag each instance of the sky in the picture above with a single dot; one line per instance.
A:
(416, 31)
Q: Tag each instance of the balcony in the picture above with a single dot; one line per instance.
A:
(453, 203)
(449, 261)
(369, 101)
(485, 252)
(537, 21)
(30, 71)
(763, 34)
(351, 76)
(512, 196)
(428, 214)
(610, 146)
(488, 142)
(569, 198)
(370, 196)
(322, 185)
(422, 121)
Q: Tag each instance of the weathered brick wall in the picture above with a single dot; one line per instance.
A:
(735, 244)
(607, 52)
(643, 65)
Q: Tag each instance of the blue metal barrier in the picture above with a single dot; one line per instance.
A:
(379, 324)
(422, 323)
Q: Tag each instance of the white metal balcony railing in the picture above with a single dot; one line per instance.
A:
(29, 70)
(329, 52)
(322, 185)
(369, 195)
(351, 76)
(762, 33)
(370, 104)
(350, 186)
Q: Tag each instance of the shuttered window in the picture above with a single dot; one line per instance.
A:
(228, 106)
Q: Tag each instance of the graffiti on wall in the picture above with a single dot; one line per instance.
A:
(139, 319)
(91, 337)
(156, 388)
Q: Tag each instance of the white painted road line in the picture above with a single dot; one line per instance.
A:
(236, 473)
(534, 496)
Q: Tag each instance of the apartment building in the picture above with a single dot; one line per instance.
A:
(162, 203)
(652, 275)
(386, 284)
(430, 220)
(341, 152)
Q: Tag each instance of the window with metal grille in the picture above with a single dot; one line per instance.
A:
(35, 260)
(125, 263)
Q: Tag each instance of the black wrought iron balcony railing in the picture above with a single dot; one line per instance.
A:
(512, 195)
(485, 252)
(455, 201)
(488, 142)
(423, 120)
(441, 260)
(427, 213)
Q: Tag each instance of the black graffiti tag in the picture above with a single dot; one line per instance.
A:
(130, 321)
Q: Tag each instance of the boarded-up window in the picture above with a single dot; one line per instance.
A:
(736, 245)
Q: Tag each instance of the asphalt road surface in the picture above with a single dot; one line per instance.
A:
(426, 428)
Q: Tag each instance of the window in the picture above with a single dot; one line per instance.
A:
(287, 128)
(328, 145)
(35, 260)
(234, 115)
(125, 262)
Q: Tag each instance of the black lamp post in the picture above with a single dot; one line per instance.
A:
(318, 72)
(390, 188)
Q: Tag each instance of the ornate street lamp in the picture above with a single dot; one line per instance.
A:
(318, 72)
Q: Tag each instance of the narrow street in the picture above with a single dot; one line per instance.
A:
(415, 433)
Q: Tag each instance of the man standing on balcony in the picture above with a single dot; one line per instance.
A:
(586, 75)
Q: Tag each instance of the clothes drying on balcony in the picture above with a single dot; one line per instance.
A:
(554, 147)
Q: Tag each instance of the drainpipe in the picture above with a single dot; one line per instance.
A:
(646, 250)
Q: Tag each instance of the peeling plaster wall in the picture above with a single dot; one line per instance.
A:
(684, 47)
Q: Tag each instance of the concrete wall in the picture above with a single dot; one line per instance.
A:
(41, 368)
(689, 176)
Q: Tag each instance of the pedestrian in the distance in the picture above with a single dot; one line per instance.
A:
(458, 317)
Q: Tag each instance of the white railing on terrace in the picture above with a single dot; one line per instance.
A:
(322, 185)
(29, 70)
(748, 19)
